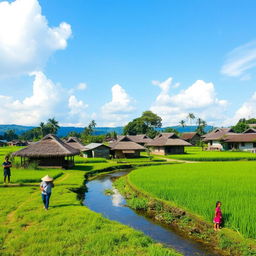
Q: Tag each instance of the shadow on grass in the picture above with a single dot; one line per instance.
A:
(83, 168)
(64, 205)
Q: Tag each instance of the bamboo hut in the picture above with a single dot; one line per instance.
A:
(124, 147)
(75, 143)
(167, 143)
(48, 152)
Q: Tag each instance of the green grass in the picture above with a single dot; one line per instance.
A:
(196, 188)
(196, 154)
(67, 228)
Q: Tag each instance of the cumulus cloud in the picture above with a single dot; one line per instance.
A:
(26, 40)
(77, 110)
(240, 60)
(246, 110)
(118, 109)
(199, 98)
(81, 86)
(33, 109)
(47, 99)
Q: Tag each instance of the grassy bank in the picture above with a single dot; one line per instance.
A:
(196, 154)
(196, 187)
(68, 228)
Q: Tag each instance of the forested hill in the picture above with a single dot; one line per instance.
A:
(63, 131)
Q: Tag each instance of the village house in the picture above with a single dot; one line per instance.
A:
(124, 147)
(167, 143)
(141, 139)
(75, 143)
(48, 152)
(3, 143)
(19, 143)
(96, 150)
(191, 137)
(240, 141)
(215, 138)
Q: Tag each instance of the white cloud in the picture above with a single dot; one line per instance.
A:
(240, 60)
(118, 109)
(81, 86)
(246, 110)
(199, 98)
(39, 106)
(26, 40)
(77, 110)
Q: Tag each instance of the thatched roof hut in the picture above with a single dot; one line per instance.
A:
(124, 147)
(74, 142)
(49, 151)
(168, 143)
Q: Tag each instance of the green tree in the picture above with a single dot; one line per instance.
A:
(182, 123)
(147, 123)
(169, 130)
(74, 134)
(10, 135)
(191, 117)
(201, 124)
(52, 125)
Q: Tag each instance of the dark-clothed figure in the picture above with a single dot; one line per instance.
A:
(46, 188)
(7, 169)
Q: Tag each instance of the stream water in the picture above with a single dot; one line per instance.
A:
(114, 208)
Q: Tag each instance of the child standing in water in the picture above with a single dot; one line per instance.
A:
(217, 217)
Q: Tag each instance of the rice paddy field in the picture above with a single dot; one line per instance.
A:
(197, 187)
(68, 228)
(197, 154)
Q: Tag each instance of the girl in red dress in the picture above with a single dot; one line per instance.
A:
(217, 217)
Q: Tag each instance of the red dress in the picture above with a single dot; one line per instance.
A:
(218, 216)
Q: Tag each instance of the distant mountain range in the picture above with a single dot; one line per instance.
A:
(63, 131)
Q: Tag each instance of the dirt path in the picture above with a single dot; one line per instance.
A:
(178, 160)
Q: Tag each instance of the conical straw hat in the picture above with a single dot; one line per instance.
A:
(47, 178)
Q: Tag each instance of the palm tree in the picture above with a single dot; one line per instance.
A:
(42, 128)
(182, 123)
(53, 125)
(191, 117)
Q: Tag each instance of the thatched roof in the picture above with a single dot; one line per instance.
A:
(241, 137)
(125, 143)
(49, 146)
(140, 138)
(250, 130)
(218, 134)
(168, 139)
(75, 143)
(188, 135)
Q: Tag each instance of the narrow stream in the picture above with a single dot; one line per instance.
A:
(114, 208)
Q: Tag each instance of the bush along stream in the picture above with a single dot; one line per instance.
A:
(184, 223)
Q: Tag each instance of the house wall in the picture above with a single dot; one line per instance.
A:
(242, 146)
(215, 144)
(158, 150)
(101, 152)
(168, 150)
(194, 140)
(120, 154)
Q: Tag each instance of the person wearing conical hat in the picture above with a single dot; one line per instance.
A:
(46, 188)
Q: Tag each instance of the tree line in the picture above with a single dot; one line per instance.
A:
(148, 123)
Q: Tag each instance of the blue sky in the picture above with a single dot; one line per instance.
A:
(173, 57)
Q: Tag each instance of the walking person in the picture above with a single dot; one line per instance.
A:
(7, 169)
(46, 188)
(217, 217)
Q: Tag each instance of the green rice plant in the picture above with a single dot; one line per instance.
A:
(197, 154)
(197, 187)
